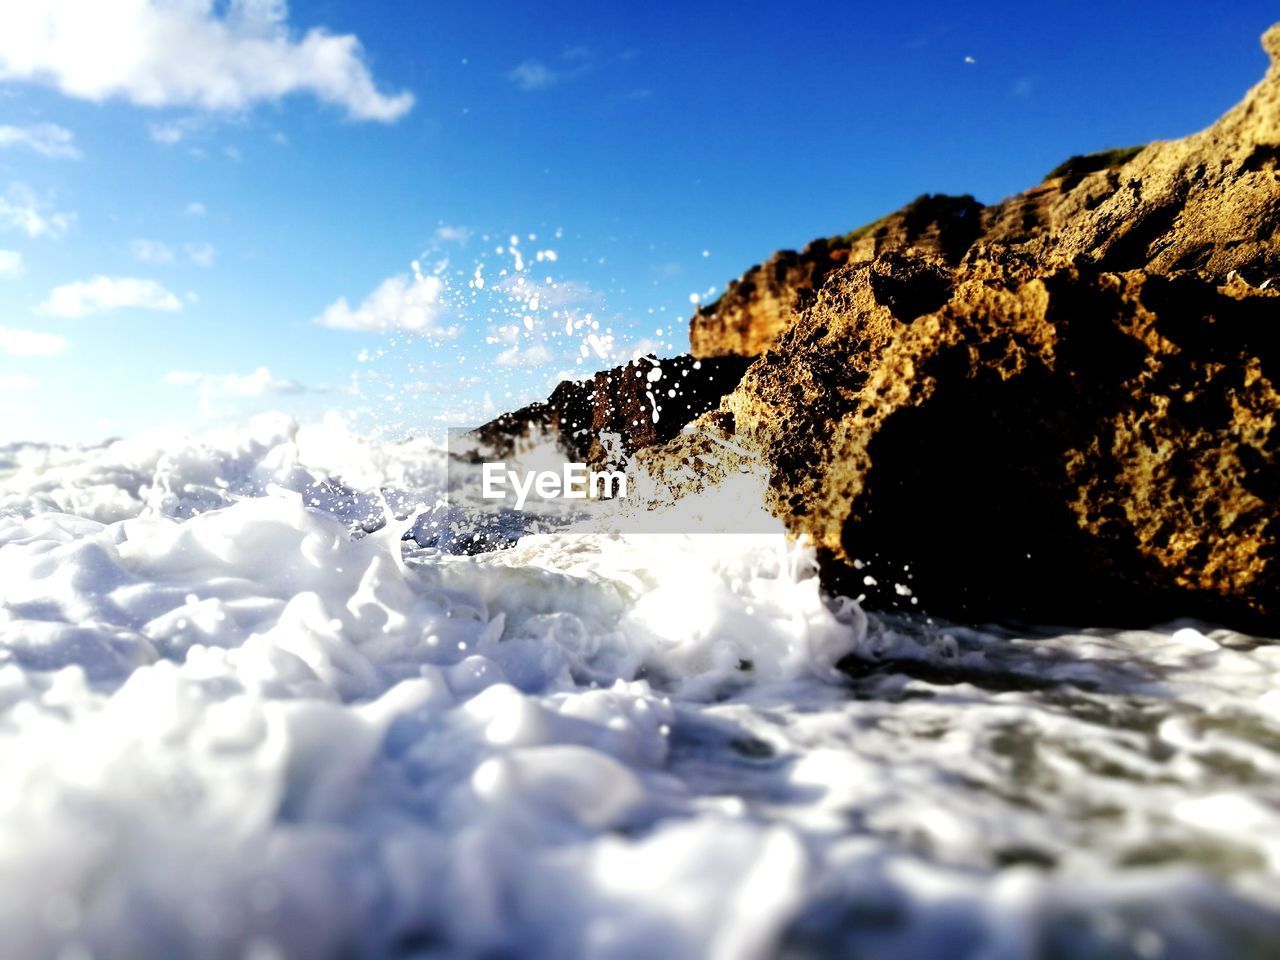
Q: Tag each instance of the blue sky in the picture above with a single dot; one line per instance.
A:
(208, 209)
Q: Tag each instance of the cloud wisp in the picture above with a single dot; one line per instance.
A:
(159, 253)
(260, 383)
(212, 388)
(151, 251)
(452, 233)
(30, 343)
(23, 211)
(412, 303)
(533, 74)
(196, 53)
(200, 254)
(47, 139)
(101, 294)
(536, 355)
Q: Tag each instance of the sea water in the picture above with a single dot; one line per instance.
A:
(241, 717)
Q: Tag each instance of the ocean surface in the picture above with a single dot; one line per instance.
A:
(241, 717)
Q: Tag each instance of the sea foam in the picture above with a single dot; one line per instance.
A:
(239, 716)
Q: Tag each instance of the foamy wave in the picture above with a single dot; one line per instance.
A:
(234, 722)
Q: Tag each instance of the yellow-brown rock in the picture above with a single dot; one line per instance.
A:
(1077, 446)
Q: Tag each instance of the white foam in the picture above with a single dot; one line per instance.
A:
(231, 722)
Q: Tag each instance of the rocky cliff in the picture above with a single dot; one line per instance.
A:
(1061, 407)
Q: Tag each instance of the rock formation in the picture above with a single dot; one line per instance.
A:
(607, 417)
(1062, 407)
(1076, 446)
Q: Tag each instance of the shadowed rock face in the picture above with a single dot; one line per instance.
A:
(1072, 447)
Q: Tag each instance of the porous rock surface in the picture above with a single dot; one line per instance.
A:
(1073, 446)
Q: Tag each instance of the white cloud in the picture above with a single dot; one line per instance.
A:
(17, 381)
(504, 333)
(21, 210)
(171, 132)
(201, 254)
(260, 383)
(85, 297)
(550, 293)
(10, 263)
(413, 303)
(46, 139)
(451, 234)
(533, 75)
(167, 133)
(444, 387)
(212, 387)
(534, 356)
(196, 209)
(157, 252)
(151, 251)
(30, 343)
(194, 53)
